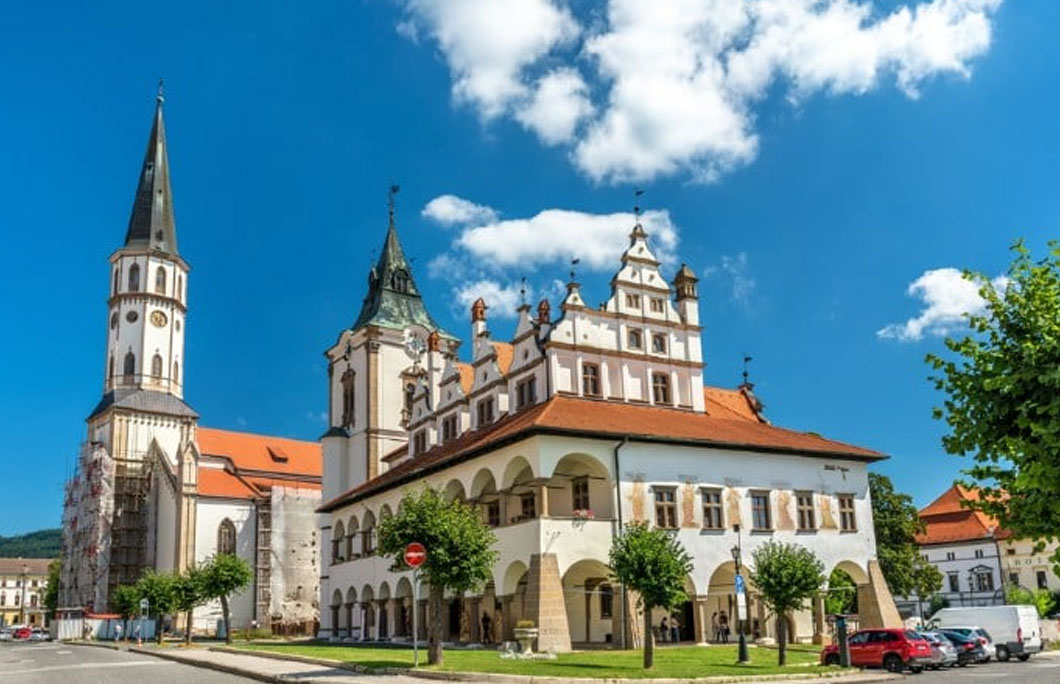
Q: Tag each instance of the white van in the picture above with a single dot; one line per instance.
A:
(1014, 629)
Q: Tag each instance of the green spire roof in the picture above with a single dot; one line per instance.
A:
(151, 224)
(393, 300)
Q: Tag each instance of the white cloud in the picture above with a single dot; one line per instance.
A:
(948, 299)
(735, 274)
(450, 210)
(658, 88)
(502, 299)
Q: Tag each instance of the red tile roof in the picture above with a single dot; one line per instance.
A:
(610, 420)
(34, 566)
(220, 483)
(263, 453)
(505, 354)
(728, 403)
(946, 519)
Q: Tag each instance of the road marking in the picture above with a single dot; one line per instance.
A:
(64, 653)
(87, 666)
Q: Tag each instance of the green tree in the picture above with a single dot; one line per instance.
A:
(842, 594)
(189, 593)
(220, 577)
(157, 588)
(459, 545)
(786, 576)
(651, 562)
(937, 603)
(1002, 387)
(927, 580)
(896, 522)
(51, 594)
(1041, 599)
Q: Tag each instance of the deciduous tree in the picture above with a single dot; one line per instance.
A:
(786, 576)
(51, 594)
(896, 522)
(459, 545)
(189, 593)
(1002, 387)
(220, 577)
(651, 562)
(157, 588)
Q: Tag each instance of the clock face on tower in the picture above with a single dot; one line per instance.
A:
(158, 318)
(415, 341)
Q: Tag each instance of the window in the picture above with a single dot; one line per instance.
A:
(226, 537)
(3, 599)
(657, 305)
(493, 513)
(1043, 580)
(527, 506)
(410, 390)
(129, 368)
(1010, 551)
(660, 388)
(804, 504)
(634, 339)
(525, 393)
(1014, 578)
(419, 442)
(955, 587)
(984, 581)
(349, 380)
(33, 600)
(18, 599)
(658, 343)
(160, 280)
(180, 287)
(176, 373)
(590, 379)
(134, 278)
(110, 368)
(366, 542)
(607, 600)
(924, 557)
(950, 555)
(666, 508)
(399, 281)
(580, 494)
(978, 553)
(449, 429)
(484, 410)
(847, 520)
(156, 367)
(712, 509)
(760, 513)
(633, 301)
(114, 290)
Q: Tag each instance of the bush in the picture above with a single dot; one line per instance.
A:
(524, 624)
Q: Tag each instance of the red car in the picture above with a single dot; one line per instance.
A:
(23, 633)
(892, 649)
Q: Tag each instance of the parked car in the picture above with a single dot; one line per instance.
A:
(6, 634)
(39, 634)
(969, 648)
(892, 649)
(23, 633)
(943, 652)
(984, 638)
(1015, 629)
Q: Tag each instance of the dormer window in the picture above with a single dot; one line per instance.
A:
(657, 305)
(660, 388)
(658, 343)
(399, 281)
(484, 412)
(419, 442)
(633, 301)
(590, 379)
(635, 339)
(450, 427)
(525, 393)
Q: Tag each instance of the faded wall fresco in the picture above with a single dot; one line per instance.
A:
(824, 503)
(732, 508)
(688, 505)
(784, 519)
(636, 499)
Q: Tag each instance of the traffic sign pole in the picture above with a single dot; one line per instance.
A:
(415, 555)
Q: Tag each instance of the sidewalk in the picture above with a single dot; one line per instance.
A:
(276, 669)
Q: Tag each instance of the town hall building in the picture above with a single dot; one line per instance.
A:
(153, 489)
(586, 420)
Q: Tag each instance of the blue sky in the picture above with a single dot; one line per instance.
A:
(824, 192)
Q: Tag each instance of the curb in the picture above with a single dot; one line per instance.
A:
(489, 678)
(218, 667)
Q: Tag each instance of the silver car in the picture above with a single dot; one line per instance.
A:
(943, 653)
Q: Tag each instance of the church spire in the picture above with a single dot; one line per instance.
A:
(151, 224)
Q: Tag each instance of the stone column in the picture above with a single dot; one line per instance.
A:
(504, 630)
(476, 625)
(542, 501)
(545, 603)
(349, 620)
(366, 621)
(701, 614)
(819, 635)
(390, 606)
(422, 616)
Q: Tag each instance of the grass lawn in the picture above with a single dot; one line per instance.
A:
(679, 662)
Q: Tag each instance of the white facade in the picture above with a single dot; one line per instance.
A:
(971, 571)
(530, 432)
(1026, 566)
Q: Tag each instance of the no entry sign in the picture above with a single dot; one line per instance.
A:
(415, 554)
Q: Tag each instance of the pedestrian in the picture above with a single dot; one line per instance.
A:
(723, 624)
(136, 633)
(664, 630)
(487, 623)
(117, 632)
(715, 632)
(675, 629)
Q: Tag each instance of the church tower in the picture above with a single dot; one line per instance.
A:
(374, 368)
(141, 424)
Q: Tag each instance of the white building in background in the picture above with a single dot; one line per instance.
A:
(581, 423)
(152, 488)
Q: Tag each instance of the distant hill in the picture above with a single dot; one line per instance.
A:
(39, 544)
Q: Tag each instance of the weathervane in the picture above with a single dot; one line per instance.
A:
(522, 291)
(636, 203)
(394, 188)
(574, 262)
(161, 90)
(746, 375)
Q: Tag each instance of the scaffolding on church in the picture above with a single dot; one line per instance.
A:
(104, 527)
(264, 561)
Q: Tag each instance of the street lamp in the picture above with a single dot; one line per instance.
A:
(740, 589)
